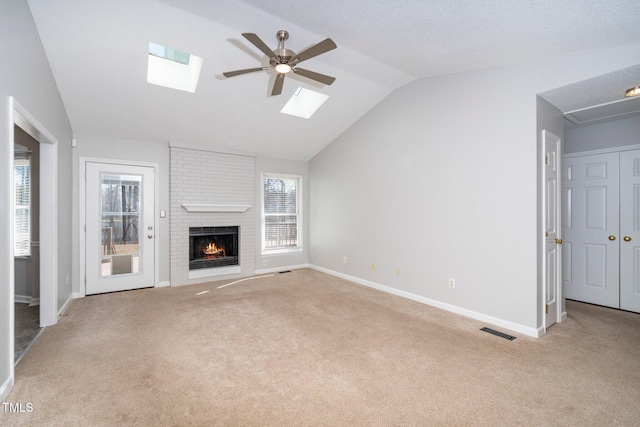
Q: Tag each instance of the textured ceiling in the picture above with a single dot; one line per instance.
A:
(97, 51)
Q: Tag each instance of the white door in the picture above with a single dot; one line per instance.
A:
(630, 230)
(552, 263)
(120, 229)
(591, 226)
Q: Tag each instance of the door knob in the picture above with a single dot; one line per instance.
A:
(626, 238)
(612, 238)
(559, 241)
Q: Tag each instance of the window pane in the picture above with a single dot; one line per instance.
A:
(280, 195)
(281, 212)
(281, 231)
(120, 217)
(22, 206)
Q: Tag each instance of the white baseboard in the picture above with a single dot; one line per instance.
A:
(532, 332)
(163, 284)
(65, 305)
(279, 269)
(5, 389)
(22, 299)
(77, 295)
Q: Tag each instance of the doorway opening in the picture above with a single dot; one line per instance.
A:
(26, 165)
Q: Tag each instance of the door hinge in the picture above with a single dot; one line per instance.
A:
(546, 160)
(546, 234)
(546, 307)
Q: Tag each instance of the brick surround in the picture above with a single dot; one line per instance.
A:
(207, 177)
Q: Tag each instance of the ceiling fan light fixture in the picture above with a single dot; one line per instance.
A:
(283, 68)
(634, 91)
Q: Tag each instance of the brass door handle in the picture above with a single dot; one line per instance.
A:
(626, 238)
(559, 241)
(612, 238)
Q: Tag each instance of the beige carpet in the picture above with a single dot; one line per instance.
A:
(305, 348)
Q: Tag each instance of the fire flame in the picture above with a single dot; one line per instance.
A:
(212, 250)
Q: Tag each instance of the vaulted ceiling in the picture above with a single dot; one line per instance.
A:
(98, 55)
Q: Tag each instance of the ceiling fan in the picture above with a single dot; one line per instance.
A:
(284, 60)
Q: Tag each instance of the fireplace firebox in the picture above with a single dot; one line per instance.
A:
(211, 247)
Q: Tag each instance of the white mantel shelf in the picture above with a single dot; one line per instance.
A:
(203, 207)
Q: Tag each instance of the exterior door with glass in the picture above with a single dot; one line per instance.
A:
(120, 229)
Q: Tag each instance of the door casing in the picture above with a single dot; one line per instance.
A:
(82, 214)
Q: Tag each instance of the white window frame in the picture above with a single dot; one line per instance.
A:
(22, 247)
(299, 216)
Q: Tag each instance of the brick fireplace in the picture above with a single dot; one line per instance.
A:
(212, 193)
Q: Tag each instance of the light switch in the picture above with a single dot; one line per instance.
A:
(163, 214)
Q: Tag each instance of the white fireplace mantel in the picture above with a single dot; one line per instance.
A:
(205, 207)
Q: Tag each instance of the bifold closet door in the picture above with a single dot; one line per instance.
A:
(630, 230)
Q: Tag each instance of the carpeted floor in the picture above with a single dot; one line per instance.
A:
(306, 348)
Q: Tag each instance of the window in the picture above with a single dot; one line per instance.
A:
(22, 216)
(172, 68)
(281, 213)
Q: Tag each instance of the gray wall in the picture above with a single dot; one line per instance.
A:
(26, 76)
(440, 181)
(608, 134)
(27, 269)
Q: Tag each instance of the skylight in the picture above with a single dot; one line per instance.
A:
(304, 103)
(172, 68)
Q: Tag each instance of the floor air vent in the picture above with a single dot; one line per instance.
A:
(498, 334)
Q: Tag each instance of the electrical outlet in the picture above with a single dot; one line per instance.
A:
(452, 283)
(373, 265)
(344, 259)
(264, 262)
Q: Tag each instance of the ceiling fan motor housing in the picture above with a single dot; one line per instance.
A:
(284, 55)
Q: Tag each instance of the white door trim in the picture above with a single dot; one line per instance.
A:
(604, 151)
(7, 286)
(48, 212)
(82, 214)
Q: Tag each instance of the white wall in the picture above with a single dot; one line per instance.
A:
(282, 261)
(439, 180)
(26, 76)
(92, 146)
(608, 134)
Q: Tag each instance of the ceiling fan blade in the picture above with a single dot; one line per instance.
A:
(248, 70)
(257, 42)
(322, 78)
(315, 50)
(277, 86)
